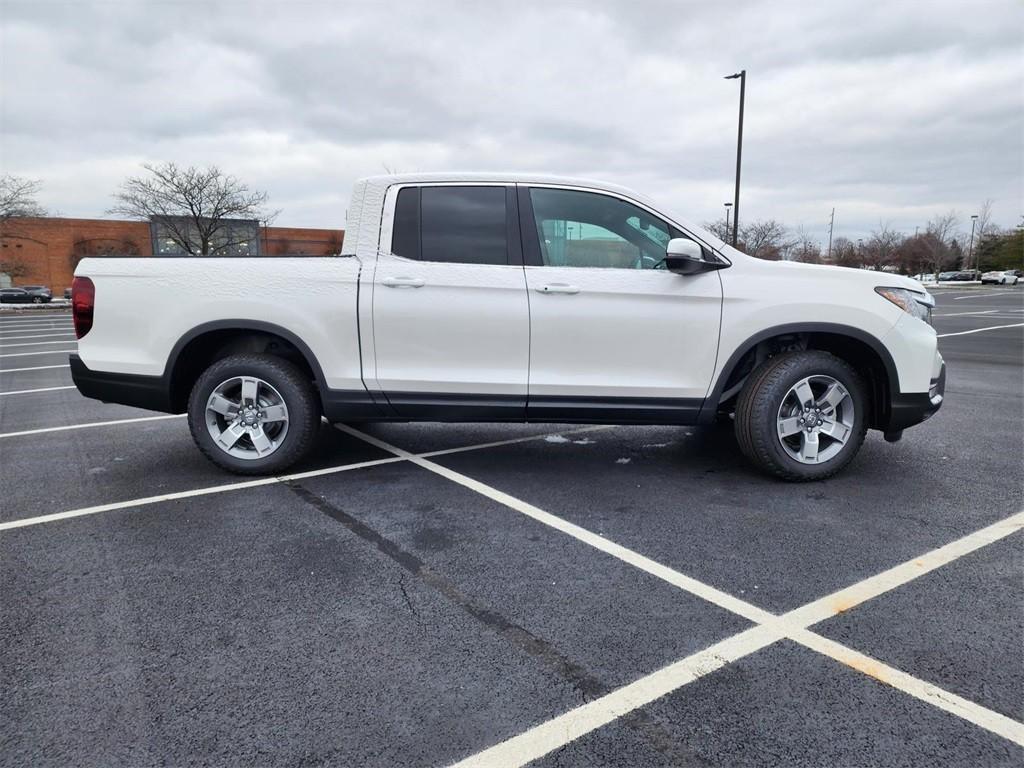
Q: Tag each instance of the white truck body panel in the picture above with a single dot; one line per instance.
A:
(148, 304)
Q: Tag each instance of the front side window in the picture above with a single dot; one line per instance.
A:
(585, 229)
(466, 225)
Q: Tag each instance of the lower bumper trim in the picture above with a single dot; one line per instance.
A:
(149, 392)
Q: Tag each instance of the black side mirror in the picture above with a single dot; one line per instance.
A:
(685, 257)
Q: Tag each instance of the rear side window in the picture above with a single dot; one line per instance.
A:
(466, 225)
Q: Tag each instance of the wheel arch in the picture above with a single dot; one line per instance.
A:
(208, 342)
(858, 347)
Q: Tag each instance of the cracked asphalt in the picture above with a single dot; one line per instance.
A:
(389, 616)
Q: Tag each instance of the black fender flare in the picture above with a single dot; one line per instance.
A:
(837, 329)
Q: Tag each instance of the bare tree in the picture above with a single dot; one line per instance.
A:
(764, 239)
(18, 198)
(805, 248)
(844, 253)
(937, 242)
(195, 206)
(880, 250)
(984, 225)
(718, 229)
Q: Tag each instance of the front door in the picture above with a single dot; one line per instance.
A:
(614, 335)
(451, 324)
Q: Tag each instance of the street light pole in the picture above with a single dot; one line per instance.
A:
(727, 207)
(742, 75)
(831, 223)
(970, 250)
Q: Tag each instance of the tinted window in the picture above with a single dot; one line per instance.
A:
(405, 236)
(583, 229)
(463, 224)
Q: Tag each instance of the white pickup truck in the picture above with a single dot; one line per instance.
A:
(505, 297)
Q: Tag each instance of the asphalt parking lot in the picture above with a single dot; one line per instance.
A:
(508, 595)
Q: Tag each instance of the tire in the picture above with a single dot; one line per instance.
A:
(278, 383)
(37, 300)
(769, 395)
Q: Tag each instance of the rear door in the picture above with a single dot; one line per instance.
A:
(451, 324)
(614, 335)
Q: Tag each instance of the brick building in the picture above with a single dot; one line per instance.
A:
(45, 251)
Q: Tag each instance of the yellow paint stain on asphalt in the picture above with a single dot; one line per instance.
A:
(868, 667)
(842, 605)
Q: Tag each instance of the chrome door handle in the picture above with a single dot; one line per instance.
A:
(403, 282)
(558, 288)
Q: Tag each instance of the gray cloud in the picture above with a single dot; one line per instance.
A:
(892, 111)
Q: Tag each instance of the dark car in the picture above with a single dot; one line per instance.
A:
(41, 291)
(24, 296)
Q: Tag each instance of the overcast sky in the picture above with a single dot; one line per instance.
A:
(890, 111)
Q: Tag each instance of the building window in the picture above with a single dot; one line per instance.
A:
(234, 237)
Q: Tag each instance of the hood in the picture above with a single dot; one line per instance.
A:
(847, 274)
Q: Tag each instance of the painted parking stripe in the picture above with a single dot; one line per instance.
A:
(10, 331)
(41, 389)
(556, 733)
(34, 368)
(964, 333)
(91, 425)
(983, 295)
(566, 728)
(48, 352)
(961, 314)
(19, 336)
(131, 503)
(922, 690)
(34, 344)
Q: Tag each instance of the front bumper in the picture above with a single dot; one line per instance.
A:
(906, 410)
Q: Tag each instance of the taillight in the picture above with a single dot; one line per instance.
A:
(83, 300)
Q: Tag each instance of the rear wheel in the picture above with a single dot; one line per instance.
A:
(802, 415)
(254, 414)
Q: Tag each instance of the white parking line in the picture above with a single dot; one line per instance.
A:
(41, 389)
(20, 336)
(960, 314)
(964, 333)
(983, 295)
(72, 513)
(34, 368)
(50, 352)
(34, 344)
(91, 424)
(792, 625)
(567, 727)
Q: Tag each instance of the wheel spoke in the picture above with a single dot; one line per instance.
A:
(804, 393)
(275, 413)
(809, 446)
(836, 430)
(789, 426)
(834, 395)
(250, 387)
(222, 405)
(230, 436)
(260, 440)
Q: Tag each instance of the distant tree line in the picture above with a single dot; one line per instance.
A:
(197, 205)
(942, 246)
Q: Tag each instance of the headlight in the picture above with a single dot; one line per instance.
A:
(917, 304)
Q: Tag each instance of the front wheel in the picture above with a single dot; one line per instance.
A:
(802, 415)
(254, 414)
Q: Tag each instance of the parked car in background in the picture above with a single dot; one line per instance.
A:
(67, 293)
(20, 296)
(1001, 277)
(42, 291)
